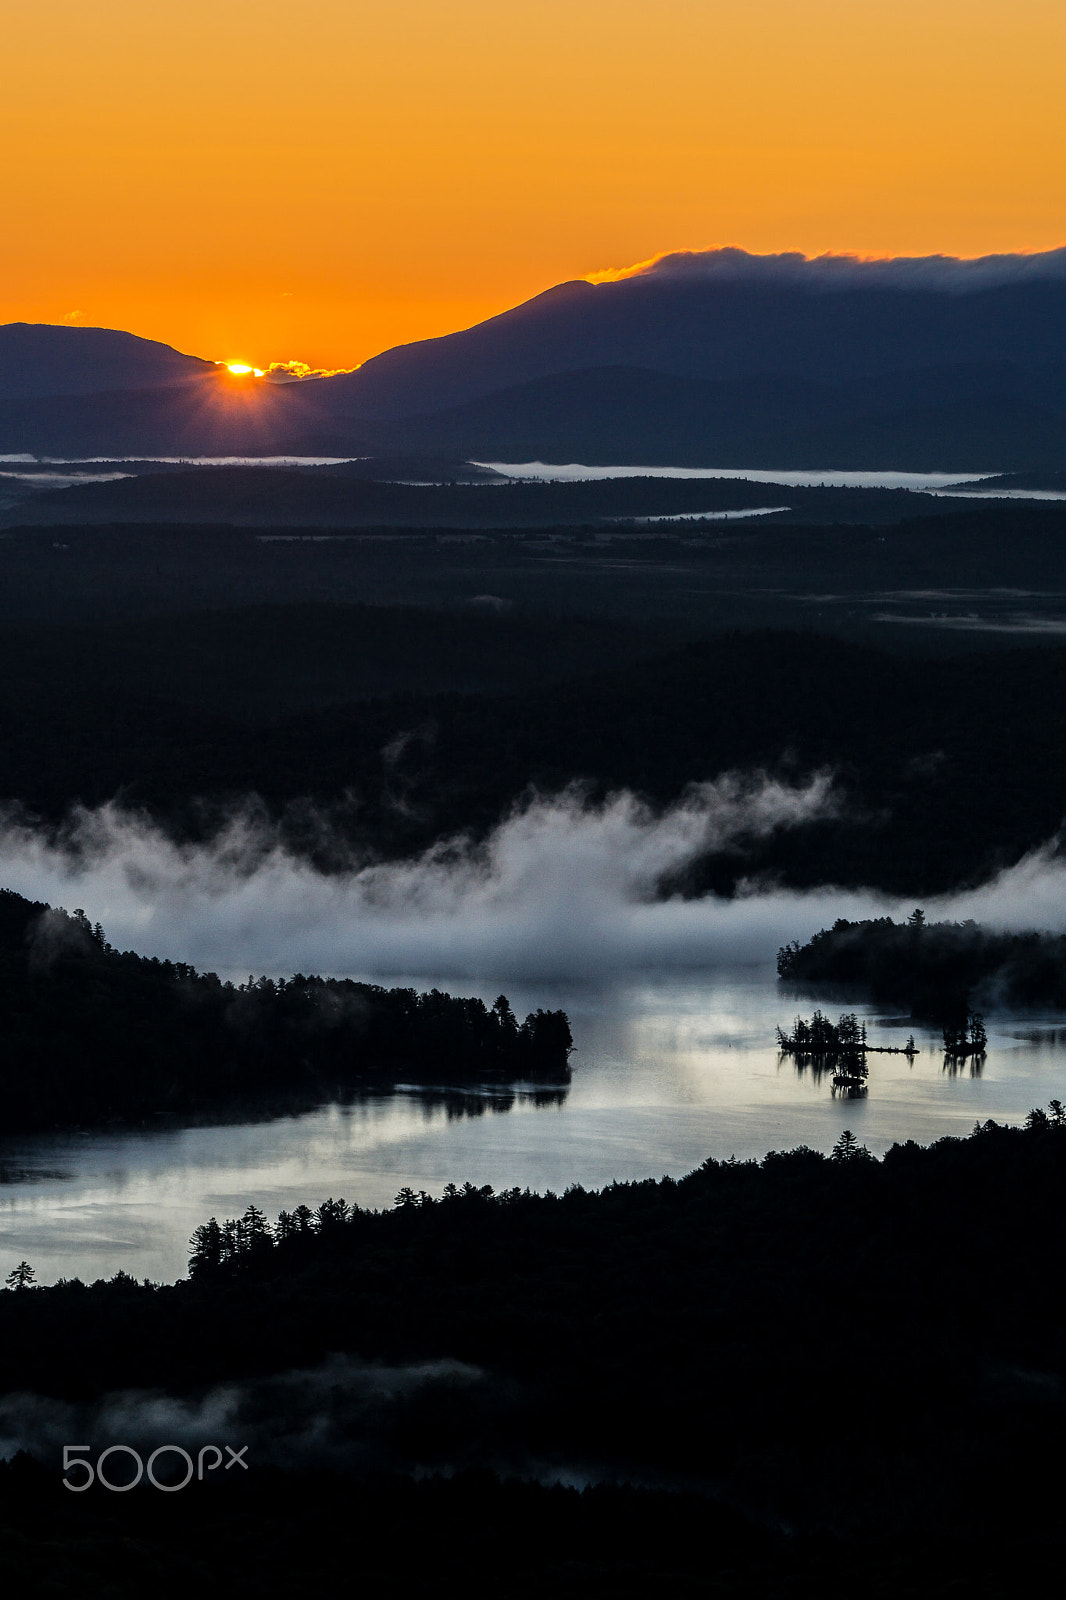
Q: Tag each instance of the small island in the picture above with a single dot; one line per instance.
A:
(842, 1045)
(968, 1041)
(933, 968)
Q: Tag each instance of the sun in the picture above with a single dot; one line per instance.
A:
(241, 369)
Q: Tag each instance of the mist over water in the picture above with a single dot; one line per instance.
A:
(673, 1005)
(804, 478)
(1000, 494)
(61, 480)
(711, 516)
(209, 461)
(562, 889)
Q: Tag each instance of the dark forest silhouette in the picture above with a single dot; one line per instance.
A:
(329, 777)
(759, 1332)
(93, 1034)
(941, 970)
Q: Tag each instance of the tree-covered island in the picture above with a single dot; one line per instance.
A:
(841, 1046)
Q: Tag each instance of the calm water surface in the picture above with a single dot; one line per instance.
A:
(667, 1072)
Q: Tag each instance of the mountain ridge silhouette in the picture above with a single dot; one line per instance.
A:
(934, 363)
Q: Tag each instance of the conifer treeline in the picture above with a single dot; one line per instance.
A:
(941, 970)
(91, 1034)
(697, 1326)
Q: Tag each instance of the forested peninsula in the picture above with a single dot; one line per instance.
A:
(941, 971)
(94, 1035)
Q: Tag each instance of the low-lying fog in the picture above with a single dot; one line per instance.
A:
(808, 478)
(675, 1057)
(562, 889)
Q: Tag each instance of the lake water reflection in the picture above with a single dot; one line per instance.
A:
(667, 1072)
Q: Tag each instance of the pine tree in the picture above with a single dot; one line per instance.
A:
(505, 1017)
(254, 1226)
(206, 1247)
(331, 1213)
(848, 1148)
(23, 1277)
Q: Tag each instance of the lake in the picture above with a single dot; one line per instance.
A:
(668, 1070)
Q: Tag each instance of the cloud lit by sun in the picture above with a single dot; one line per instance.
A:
(296, 371)
(281, 371)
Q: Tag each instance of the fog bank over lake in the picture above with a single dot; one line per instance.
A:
(674, 1005)
(563, 890)
(808, 478)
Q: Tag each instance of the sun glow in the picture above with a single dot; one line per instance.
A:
(502, 163)
(240, 369)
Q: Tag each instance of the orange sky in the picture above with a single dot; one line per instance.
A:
(265, 180)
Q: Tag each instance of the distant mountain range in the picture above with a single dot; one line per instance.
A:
(725, 316)
(719, 359)
(962, 419)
